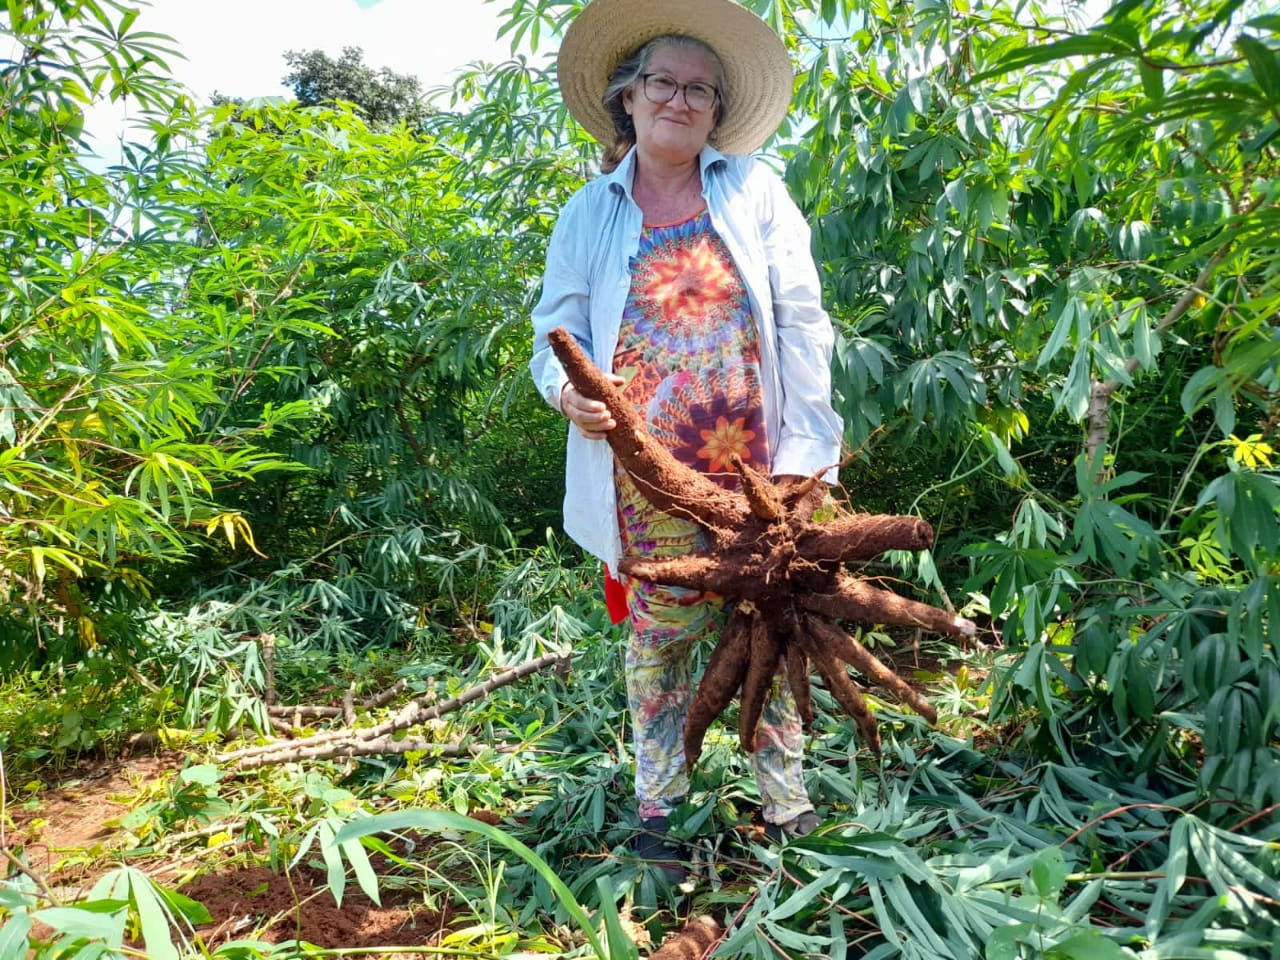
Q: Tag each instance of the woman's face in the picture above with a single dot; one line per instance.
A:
(672, 131)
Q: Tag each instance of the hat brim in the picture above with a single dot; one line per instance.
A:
(758, 74)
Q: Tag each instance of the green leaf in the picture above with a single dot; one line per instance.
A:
(1152, 81)
(621, 946)
(445, 820)
(366, 877)
(203, 774)
(1083, 45)
(1049, 873)
(1146, 342)
(1003, 942)
(85, 923)
(180, 905)
(1265, 64)
(1075, 393)
(1138, 686)
(1062, 328)
(1089, 945)
(331, 853)
(14, 933)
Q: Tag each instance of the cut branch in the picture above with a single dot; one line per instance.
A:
(381, 738)
(379, 699)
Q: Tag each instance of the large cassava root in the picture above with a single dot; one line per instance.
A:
(781, 575)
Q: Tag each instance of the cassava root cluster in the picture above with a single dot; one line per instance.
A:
(781, 574)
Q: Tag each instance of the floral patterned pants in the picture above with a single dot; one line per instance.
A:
(667, 624)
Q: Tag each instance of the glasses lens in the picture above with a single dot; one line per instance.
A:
(658, 88)
(699, 96)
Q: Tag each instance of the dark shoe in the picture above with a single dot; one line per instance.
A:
(801, 826)
(657, 850)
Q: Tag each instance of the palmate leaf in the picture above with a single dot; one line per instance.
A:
(336, 855)
(161, 913)
(1235, 879)
(1175, 875)
(1089, 945)
(96, 920)
(1265, 64)
(1248, 502)
(757, 935)
(445, 820)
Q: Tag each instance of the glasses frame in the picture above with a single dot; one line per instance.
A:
(679, 88)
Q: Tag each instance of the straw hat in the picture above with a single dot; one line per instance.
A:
(758, 75)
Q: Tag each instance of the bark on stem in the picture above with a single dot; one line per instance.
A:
(370, 740)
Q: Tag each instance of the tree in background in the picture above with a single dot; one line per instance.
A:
(113, 459)
(382, 96)
(258, 288)
(418, 448)
(1053, 252)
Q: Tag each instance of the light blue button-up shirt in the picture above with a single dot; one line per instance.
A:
(585, 288)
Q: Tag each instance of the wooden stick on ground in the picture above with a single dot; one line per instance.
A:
(381, 738)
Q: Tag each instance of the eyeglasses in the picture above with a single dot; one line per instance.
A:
(660, 88)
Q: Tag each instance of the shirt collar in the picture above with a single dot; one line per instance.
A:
(621, 177)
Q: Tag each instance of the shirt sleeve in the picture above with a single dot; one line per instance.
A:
(564, 302)
(812, 431)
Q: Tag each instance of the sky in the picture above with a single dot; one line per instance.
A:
(236, 47)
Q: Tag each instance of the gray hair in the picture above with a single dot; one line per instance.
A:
(629, 70)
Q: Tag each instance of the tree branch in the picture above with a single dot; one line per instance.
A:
(1098, 415)
(380, 738)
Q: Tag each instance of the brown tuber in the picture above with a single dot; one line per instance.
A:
(781, 574)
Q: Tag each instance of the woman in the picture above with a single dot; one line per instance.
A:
(685, 271)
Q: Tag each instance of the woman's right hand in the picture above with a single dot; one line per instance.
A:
(591, 417)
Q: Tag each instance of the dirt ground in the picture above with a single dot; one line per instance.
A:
(69, 839)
